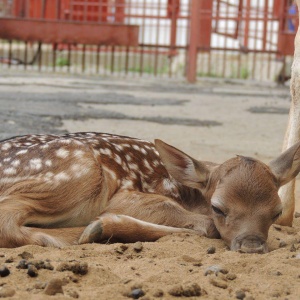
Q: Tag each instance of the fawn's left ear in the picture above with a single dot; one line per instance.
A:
(286, 166)
(182, 167)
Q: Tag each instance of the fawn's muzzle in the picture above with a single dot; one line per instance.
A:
(249, 244)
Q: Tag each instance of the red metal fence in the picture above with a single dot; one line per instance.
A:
(192, 38)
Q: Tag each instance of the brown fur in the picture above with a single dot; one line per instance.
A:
(91, 187)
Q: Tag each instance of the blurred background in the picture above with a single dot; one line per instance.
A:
(243, 39)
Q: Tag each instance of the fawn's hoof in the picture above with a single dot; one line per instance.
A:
(92, 233)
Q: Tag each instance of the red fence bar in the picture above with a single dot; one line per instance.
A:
(67, 32)
(193, 38)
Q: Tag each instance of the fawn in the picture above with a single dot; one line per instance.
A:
(92, 187)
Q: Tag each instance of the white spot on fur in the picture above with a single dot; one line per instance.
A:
(48, 163)
(62, 153)
(127, 184)
(110, 172)
(168, 185)
(128, 157)
(78, 153)
(147, 165)
(35, 164)
(106, 151)
(136, 147)
(15, 163)
(21, 152)
(144, 151)
(156, 163)
(133, 166)
(49, 175)
(7, 159)
(62, 176)
(6, 146)
(10, 171)
(118, 159)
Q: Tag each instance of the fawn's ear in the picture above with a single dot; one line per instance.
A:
(286, 166)
(182, 167)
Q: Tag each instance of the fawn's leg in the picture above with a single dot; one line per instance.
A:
(134, 216)
(13, 233)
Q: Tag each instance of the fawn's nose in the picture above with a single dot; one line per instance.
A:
(250, 244)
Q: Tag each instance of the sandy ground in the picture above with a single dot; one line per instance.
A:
(212, 120)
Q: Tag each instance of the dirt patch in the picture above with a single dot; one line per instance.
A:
(174, 266)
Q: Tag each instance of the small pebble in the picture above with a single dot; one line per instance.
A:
(211, 250)
(25, 255)
(9, 260)
(54, 287)
(297, 214)
(7, 292)
(136, 293)
(215, 270)
(4, 271)
(158, 294)
(138, 247)
(231, 276)
(32, 271)
(22, 264)
(75, 267)
(218, 283)
(293, 248)
(282, 244)
(39, 285)
(73, 294)
(121, 249)
(240, 294)
(186, 290)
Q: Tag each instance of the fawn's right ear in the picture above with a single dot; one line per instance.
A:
(287, 165)
(182, 167)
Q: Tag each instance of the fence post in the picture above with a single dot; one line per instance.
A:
(193, 41)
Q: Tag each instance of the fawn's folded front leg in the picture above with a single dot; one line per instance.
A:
(134, 216)
(121, 228)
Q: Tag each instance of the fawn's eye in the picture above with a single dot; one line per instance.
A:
(277, 216)
(218, 211)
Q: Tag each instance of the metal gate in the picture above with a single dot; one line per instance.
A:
(248, 39)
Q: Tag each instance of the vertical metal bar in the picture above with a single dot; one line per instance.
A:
(54, 48)
(25, 55)
(105, 59)
(255, 38)
(98, 59)
(158, 30)
(83, 59)
(112, 60)
(39, 55)
(69, 58)
(225, 42)
(127, 60)
(9, 53)
(265, 25)
(143, 39)
(192, 48)
(247, 23)
(173, 34)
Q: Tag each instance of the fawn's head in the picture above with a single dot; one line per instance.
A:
(242, 192)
